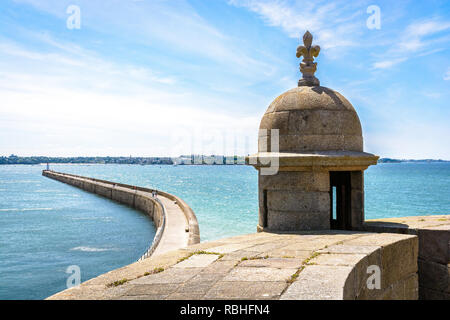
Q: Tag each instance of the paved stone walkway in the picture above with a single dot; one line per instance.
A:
(175, 235)
(412, 223)
(309, 265)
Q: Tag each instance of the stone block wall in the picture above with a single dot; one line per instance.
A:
(398, 264)
(357, 198)
(433, 253)
(434, 263)
(294, 201)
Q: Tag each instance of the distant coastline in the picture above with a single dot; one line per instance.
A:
(390, 160)
(181, 160)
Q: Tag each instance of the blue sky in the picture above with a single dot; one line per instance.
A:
(167, 77)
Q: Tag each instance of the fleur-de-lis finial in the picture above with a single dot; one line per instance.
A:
(308, 66)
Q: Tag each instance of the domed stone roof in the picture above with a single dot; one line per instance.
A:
(312, 118)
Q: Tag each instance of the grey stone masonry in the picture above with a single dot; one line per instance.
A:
(303, 265)
(434, 250)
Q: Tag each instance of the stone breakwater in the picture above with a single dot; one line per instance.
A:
(176, 223)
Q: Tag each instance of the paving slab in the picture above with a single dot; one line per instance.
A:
(246, 290)
(170, 276)
(227, 248)
(151, 289)
(339, 259)
(318, 283)
(345, 248)
(259, 274)
(197, 261)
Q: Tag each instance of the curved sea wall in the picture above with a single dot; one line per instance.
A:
(176, 223)
(434, 250)
(329, 264)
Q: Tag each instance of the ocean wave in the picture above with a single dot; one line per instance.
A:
(26, 209)
(103, 219)
(90, 249)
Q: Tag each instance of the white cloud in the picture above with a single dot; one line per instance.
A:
(432, 94)
(387, 63)
(415, 36)
(171, 25)
(71, 101)
(419, 38)
(447, 75)
(335, 25)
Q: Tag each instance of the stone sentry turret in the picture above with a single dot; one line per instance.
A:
(310, 158)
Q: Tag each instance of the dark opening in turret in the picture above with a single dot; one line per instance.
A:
(340, 204)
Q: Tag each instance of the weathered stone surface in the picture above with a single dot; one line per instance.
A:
(322, 122)
(237, 256)
(357, 208)
(298, 220)
(337, 259)
(434, 245)
(286, 252)
(259, 274)
(393, 292)
(344, 248)
(264, 247)
(404, 289)
(295, 143)
(288, 200)
(430, 294)
(277, 120)
(433, 253)
(310, 98)
(320, 283)
(227, 248)
(89, 186)
(170, 276)
(313, 119)
(103, 191)
(246, 290)
(199, 287)
(353, 143)
(294, 263)
(123, 195)
(144, 204)
(151, 289)
(219, 267)
(382, 239)
(411, 287)
(197, 261)
(279, 256)
(301, 180)
(397, 261)
(434, 275)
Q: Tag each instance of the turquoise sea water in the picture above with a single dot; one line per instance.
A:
(46, 226)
